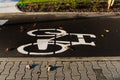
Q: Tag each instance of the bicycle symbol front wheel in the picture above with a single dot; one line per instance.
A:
(22, 50)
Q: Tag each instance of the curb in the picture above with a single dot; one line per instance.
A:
(60, 14)
(63, 59)
(48, 16)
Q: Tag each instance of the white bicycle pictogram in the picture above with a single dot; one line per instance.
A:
(53, 34)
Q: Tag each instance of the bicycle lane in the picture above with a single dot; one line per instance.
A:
(99, 37)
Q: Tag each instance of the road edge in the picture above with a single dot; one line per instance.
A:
(62, 59)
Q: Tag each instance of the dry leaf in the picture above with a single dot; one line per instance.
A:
(61, 27)
(34, 24)
(48, 67)
(27, 66)
(21, 29)
(7, 49)
(102, 35)
(107, 30)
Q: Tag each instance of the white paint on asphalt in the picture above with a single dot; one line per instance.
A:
(47, 33)
(9, 6)
(81, 40)
(43, 43)
(2, 22)
(22, 50)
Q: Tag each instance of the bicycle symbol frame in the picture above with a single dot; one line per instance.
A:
(42, 44)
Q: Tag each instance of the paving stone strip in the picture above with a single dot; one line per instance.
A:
(98, 71)
(36, 71)
(105, 70)
(60, 70)
(75, 73)
(51, 74)
(90, 71)
(82, 71)
(67, 71)
(44, 73)
(13, 71)
(21, 72)
(112, 70)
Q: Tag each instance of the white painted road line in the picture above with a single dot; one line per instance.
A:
(2, 22)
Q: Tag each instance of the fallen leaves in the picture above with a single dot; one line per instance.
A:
(102, 35)
(34, 24)
(10, 49)
(48, 67)
(21, 28)
(106, 30)
(7, 49)
(28, 66)
(61, 28)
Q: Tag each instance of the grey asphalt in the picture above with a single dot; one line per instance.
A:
(82, 68)
(105, 30)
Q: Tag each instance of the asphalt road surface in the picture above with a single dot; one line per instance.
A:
(83, 37)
